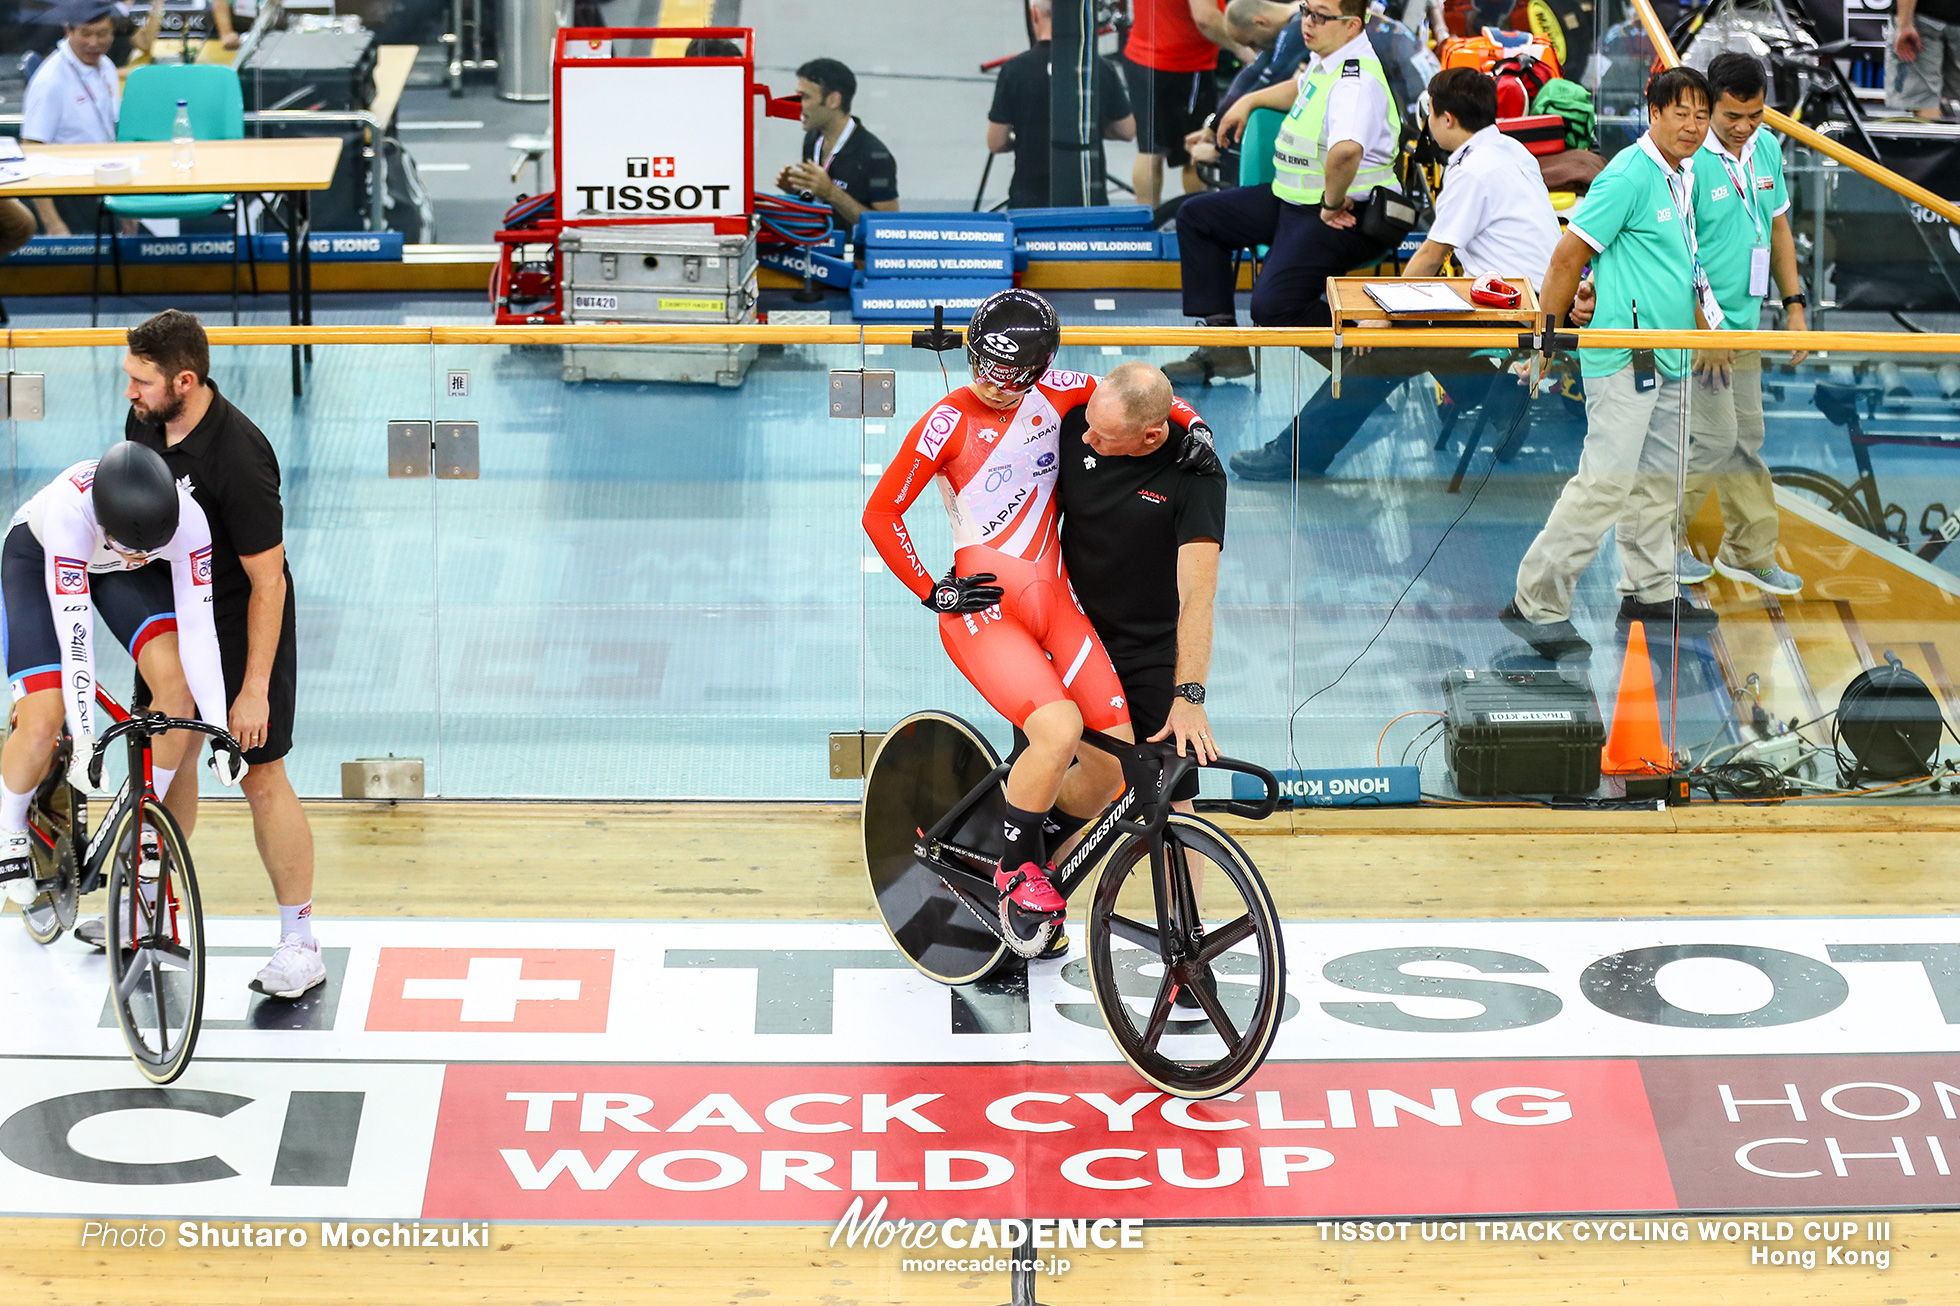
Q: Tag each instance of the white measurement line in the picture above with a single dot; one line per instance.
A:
(442, 167)
(438, 125)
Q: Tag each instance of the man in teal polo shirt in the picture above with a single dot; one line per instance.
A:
(1743, 227)
(1636, 227)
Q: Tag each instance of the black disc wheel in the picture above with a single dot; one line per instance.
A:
(53, 909)
(155, 942)
(1151, 944)
(923, 767)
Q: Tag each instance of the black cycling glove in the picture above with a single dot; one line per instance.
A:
(956, 594)
(1198, 453)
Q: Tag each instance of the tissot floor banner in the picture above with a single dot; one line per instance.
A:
(693, 1072)
(661, 142)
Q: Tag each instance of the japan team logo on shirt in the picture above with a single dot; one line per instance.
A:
(70, 576)
(940, 424)
(201, 566)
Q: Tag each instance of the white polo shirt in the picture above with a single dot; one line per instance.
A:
(70, 102)
(1357, 110)
(1494, 209)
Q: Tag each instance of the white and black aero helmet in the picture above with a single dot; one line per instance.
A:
(1012, 338)
(135, 497)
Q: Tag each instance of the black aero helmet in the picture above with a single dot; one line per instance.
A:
(135, 497)
(1012, 338)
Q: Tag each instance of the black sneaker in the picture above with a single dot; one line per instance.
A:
(1209, 363)
(1271, 462)
(1555, 641)
(1663, 614)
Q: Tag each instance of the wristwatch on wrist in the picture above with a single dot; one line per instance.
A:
(1798, 300)
(1191, 692)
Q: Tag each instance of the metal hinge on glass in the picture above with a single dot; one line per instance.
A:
(449, 449)
(851, 752)
(381, 777)
(21, 397)
(858, 393)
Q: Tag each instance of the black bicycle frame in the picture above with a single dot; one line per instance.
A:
(1154, 769)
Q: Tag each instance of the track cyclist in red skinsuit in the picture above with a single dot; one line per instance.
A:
(1007, 615)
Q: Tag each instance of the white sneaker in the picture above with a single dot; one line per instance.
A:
(149, 855)
(1690, 570)
(17, 865)
(1772, 578)
(294, 968)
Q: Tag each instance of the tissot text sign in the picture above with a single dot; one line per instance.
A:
(651, 142)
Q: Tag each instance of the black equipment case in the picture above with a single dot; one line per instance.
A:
(1522, 732)
(310, 70)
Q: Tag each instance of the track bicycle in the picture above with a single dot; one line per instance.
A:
(154, 925)
(934, 799)
(1860, 502)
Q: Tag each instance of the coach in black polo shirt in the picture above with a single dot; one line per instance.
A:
(230, 469)
(843, 165)
(1141, 538)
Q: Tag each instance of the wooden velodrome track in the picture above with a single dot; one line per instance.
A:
(707, 862)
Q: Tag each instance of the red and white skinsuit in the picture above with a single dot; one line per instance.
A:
(996, 470)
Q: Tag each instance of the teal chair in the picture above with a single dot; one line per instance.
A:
(149, 113)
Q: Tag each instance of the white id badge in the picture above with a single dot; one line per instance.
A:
(1711, 311)
(1759, 270)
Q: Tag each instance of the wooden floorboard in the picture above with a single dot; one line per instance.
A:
(723, 861)
(42, 1265)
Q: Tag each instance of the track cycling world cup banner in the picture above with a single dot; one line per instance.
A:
(699, 1072)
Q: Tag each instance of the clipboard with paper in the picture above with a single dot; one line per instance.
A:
(1424, 298)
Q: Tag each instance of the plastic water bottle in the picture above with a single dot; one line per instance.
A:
(183, 146)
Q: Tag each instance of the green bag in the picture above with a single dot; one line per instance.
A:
(1572, 102)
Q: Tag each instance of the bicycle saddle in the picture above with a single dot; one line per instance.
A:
(1839, 403)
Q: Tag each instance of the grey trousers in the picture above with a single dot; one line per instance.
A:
(1628, 473)
(1725, 454)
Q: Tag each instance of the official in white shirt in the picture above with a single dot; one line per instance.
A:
(1335, 147)
(1494, 214)
(74, 98)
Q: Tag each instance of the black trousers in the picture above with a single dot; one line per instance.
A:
(1292, 285)
(1326, 424)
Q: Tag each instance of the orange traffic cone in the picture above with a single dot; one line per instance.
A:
(1635, 746)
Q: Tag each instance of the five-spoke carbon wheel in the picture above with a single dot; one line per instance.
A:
(155, 942)
(1150, 942)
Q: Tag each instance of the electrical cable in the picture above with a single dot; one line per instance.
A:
(1391, 722)
(1497, 445)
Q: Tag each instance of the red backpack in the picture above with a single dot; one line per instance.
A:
(1519, 78)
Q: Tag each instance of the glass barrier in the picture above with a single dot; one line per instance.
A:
(626, 584)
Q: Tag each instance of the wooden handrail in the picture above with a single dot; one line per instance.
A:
(1438, 337)
(1824, 145)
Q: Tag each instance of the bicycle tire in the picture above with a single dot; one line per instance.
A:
(923, 766)
(156, 988)
(1260, 1009)
(1833, 495)
(52, 913)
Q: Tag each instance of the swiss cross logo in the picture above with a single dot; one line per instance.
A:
(663, 165)
(70, 576)
(488, 990)
(201, 566)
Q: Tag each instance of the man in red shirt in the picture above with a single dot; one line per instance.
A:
(1169, 62)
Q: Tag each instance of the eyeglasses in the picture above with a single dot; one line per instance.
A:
(1314, 18)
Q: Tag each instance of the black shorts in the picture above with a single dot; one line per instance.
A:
(1147, 679)
(1169, 107)
(234, 643)
(136, 606)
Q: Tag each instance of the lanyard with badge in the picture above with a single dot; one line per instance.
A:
(1681, 189)
(1745, 189)
(107, 120)
(838, 148)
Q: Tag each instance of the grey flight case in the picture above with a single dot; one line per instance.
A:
(653, 274)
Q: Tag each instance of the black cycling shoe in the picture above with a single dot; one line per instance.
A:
(1555, 641)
